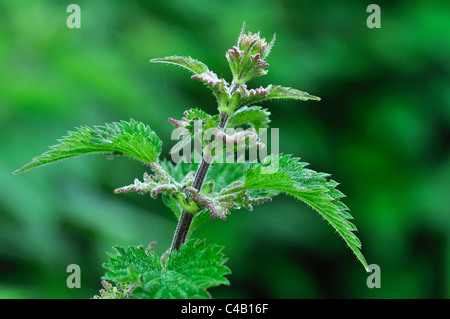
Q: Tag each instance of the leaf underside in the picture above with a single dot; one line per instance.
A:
(133, 139)
(188, 272)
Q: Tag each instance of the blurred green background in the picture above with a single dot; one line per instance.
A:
(381, 129)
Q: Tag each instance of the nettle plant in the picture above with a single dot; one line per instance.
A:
(197, 192)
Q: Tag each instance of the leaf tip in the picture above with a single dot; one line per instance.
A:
(312, 97)
(21, 170)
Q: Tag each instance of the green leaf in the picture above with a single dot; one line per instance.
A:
(255, 116)
(186, 62)
(223, 174)
(200, 218)
(139, 259)
(276, 92)
(208, 121)
(172, 203)
(201, 72)
(180, 170)
(288, 175)
(187, 273)
(133, 139)
(280, 92)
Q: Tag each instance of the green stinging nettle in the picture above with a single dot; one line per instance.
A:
(196, 193)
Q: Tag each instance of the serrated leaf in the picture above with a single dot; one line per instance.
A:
(309, 186)
(201, 263)
(133, 139)
(186, 62)
(255, 116)
(140, 259)
(278, 92)
(187, 273)
(208, 121)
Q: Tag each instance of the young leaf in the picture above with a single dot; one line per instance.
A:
(254, 116)
(200, 218)
(133, 139)
(280, 92)
(186, 62)
(207, 121)
(273, 92)
(309, 186)
(187, 273)
(202, 73)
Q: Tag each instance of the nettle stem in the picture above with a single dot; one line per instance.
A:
(186, 217)
(182, 230)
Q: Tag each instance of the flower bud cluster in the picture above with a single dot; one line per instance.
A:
(246, 60)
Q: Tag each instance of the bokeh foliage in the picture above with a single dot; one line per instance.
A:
(381, 129)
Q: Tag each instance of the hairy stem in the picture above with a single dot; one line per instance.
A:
(186, 217)
(182, 230)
